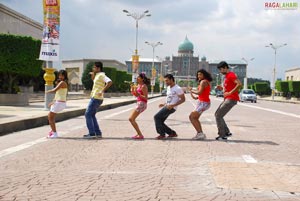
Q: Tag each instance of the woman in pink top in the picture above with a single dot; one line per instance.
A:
(204, 78)
(141, 93)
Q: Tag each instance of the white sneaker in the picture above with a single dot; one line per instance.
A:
(52, 135)
(199, 136)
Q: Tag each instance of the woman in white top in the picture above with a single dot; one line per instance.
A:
(59, 102)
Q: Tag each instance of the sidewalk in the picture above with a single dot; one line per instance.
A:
(279, 99)
(14, 118)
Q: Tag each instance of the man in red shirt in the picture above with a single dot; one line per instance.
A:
(230, 88)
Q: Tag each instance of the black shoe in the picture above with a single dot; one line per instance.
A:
(98, 135)
(228, 134)
(221, 138)
(89, 136)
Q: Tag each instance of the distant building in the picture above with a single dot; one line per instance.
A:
(236, 66)
(292, 74)
(12, 22)
(145, 65)
(76, 67)
(185, 65)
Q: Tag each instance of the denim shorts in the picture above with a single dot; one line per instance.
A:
(202, 106)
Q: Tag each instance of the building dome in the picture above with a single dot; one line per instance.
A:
(203, 58)
(186, 46)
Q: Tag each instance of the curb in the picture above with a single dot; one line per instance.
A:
(7, 128)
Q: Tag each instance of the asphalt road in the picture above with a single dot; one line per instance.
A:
(260, 162)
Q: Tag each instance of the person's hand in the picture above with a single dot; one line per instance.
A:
(100, 93)
(226, 94)
(49, 105)
(161, 105)
(190, 89)
(170, 107)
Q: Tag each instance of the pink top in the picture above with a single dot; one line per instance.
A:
(140, 91)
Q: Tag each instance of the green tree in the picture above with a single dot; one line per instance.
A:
(18, 58)
(86, 77)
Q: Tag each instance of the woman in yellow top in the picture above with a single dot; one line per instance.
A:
(59, 102)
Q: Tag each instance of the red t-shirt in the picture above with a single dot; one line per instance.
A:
(229, 84)
(204, 96)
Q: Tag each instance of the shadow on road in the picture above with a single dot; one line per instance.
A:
(167, 139)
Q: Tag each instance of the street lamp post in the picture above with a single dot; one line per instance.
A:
(246, 74)
(274, 47)
(175, 72)
(161, 79)
(135, 59)
(153, 45)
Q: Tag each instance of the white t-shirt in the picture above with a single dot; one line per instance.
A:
(173, 95)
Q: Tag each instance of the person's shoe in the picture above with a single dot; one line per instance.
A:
(228, 134)
(199, 136)
(221, 138)
(138, 137)
(89, 136)
(160, 137)
(172, 135)
(52, 135)
(98, 135)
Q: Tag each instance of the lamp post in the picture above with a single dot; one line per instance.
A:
(246, 74)
(175, 72)
(135, 57)
(153, 45)
(161, 79)
(274, 47)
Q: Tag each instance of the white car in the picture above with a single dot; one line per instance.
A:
(248, 95)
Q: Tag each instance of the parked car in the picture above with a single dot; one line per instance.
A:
(164, 92)
(219, 93)
(248, 95)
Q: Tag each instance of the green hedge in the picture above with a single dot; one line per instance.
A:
(118, 78)
(282, 86)
(294, 88)
(18, 58)
(261, 88)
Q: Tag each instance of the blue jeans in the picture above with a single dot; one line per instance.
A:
(223, 109)
(160, 118)
(90, 116)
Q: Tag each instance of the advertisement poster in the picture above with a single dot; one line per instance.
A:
(135, 63)
(50, 41)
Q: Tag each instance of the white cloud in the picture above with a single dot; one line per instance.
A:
(224, 29)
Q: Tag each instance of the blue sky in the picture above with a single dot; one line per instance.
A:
(219, 30)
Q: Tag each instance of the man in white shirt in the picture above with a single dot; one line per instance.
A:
(175, 96)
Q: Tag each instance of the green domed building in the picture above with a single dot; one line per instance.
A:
(185, 63)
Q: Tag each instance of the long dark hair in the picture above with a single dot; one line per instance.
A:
(144, 78)
(65, 74)
(206, 74)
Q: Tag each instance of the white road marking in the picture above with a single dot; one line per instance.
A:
(270, 110)
(126, 110)
(266, 109)
(20, 147)
(26, 145)
(249, 159)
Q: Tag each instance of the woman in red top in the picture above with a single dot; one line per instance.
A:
(141, 93)
(204, 78)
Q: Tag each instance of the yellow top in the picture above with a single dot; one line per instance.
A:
(99, 84)
(61, 94)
